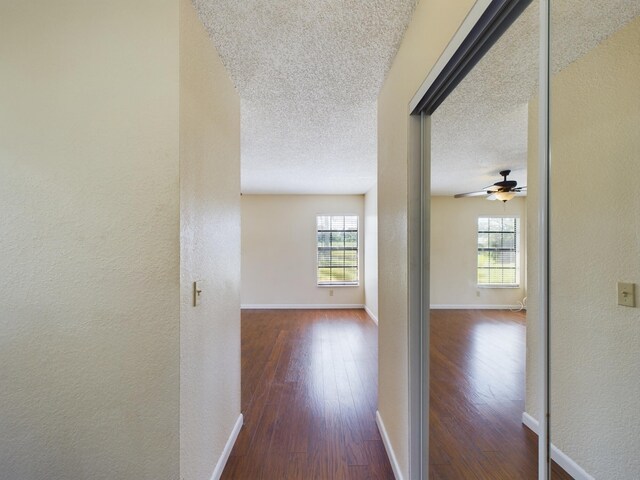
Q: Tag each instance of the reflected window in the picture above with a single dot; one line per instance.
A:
(499, 251)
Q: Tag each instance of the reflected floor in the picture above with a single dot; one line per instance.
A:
(477, 397)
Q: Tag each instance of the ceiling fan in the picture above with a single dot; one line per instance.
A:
(503, 190)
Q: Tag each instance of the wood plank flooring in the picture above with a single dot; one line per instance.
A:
(309, 397)
(477, 398)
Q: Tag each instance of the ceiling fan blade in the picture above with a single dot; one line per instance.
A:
(504, 188)
(470, 194)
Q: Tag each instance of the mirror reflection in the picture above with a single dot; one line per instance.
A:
(595, 238)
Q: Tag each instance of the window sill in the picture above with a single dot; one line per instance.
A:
(338, 285)
(498, 286)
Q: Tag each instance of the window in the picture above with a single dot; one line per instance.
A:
(499, 251)
(337, 240)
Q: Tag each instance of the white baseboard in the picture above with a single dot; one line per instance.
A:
(370, 313)
(475, 307)
(300, 306)
(387, 446)
(562, 459)
(530, 422)
(222, 461)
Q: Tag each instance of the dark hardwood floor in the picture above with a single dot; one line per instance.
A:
(477, 398)
(309, 396)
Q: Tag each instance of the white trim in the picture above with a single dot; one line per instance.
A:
(530, 422)
(498, 286)
(370, 313)
(387, 446)
(360, 251)
(300, 306)
(475, 307)
(222, 461)
(561, 458)
(469, 22)
(544, 442)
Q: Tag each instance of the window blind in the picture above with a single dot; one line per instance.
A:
(337, 243)
(498, 251)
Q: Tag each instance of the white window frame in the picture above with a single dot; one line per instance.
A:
(518, 242)
(358, 248)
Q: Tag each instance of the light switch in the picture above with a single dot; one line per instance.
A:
(626, 294)
(197, 293)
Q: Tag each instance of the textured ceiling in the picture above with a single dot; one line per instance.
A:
(308, 73)
(482, 127)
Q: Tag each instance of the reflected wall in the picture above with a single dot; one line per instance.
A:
(594, 240)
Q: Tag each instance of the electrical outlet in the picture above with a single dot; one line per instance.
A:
(331, 292)
(626, 294)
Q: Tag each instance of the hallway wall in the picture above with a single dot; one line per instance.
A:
(209, 251)
(89, 192)
(433, 24)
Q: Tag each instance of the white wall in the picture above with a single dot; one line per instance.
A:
(595, 241)
(433, 24)
(279, 260)
(371, 252)
(89, 193)
(209, 251)
(454, 243)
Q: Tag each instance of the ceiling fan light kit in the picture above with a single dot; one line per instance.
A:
(503, 190)
(505, 196)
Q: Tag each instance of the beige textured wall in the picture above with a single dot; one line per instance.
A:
(209, 251)
(595, 241)
(89, 192)
(433, 24)
(371, 251)
(279, 261)
(454, 242)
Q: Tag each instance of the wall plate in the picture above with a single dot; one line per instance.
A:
(197, 292)
(626, 294)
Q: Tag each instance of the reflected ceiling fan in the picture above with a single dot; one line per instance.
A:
(503, 190)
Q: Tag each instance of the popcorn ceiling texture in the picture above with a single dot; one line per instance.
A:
(308, 73)
(482, 127)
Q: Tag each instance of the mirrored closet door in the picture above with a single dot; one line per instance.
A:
(594, 244)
